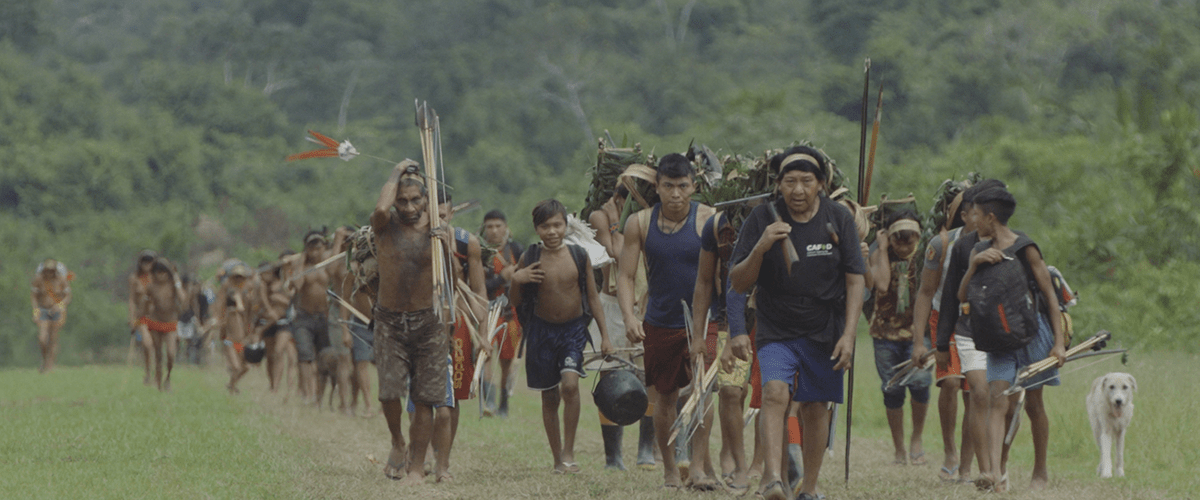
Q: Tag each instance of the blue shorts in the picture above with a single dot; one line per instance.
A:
(554, 348)
(818, 381)
(1004, 366)
(49, 314)
(449, 401)
(363, 342)
(888, 354)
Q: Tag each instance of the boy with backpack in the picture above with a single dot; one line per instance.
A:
(556, 298)
(1008, 294)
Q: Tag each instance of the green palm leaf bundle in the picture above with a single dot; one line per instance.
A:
(611, 162)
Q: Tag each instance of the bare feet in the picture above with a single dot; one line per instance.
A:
(1039, 482)
(985, 482)
(415, 477)
(445, 477)
(166, 386)
(671, 479)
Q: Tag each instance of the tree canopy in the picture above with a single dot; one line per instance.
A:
(164, 123)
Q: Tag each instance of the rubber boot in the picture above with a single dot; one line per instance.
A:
(502, 412)
(612, 435)
(646, 443)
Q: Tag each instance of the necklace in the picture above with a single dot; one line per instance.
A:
(675, 225)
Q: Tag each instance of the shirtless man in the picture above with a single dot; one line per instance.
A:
(50, 295)
(411, 341)
(138, 282)
(556, 305)
(669, 236)
(232, 316)
(165, 299)
(310, 328)
(272, 327)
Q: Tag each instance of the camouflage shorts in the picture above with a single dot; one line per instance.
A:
(741, 369)
(411, 345)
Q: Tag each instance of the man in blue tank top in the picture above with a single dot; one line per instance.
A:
(807, 310)
(669, 236)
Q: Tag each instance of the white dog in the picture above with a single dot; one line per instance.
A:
(1110, 408)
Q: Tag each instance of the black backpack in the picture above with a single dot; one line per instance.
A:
(529, 291)
(1003, 307)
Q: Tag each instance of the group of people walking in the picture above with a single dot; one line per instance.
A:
(771, 302)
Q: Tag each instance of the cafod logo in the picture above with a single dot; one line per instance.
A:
(819, 250)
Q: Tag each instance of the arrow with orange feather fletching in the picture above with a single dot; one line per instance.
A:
(345, 150)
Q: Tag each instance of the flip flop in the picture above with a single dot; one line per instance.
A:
(775, 491)
(917, 458)
(390, 471)
(571, 467)
(947, 474)
(736, 490)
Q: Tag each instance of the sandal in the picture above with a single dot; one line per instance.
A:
(775, 491)
(736, 490)
(947, 474)
(917, 458)
(395, 472)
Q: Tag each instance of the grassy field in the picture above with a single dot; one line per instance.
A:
(96, 432)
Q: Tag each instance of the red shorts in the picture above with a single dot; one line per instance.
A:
(955, 367)
(510, 340)
(668, 363)
(710, 344)
(461, 352)
(159, 326)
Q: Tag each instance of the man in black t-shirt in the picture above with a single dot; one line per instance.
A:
(807, 317)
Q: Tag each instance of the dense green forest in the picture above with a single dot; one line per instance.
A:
(163, 124)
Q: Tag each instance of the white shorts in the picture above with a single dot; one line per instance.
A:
(615, 322)
(971, 359)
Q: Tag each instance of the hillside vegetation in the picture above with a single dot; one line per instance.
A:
(164, 123)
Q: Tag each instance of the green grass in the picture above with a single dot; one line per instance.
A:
(97, 432)
(1162, 446)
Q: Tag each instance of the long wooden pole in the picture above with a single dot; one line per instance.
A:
(874, 141)
(862, 149)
